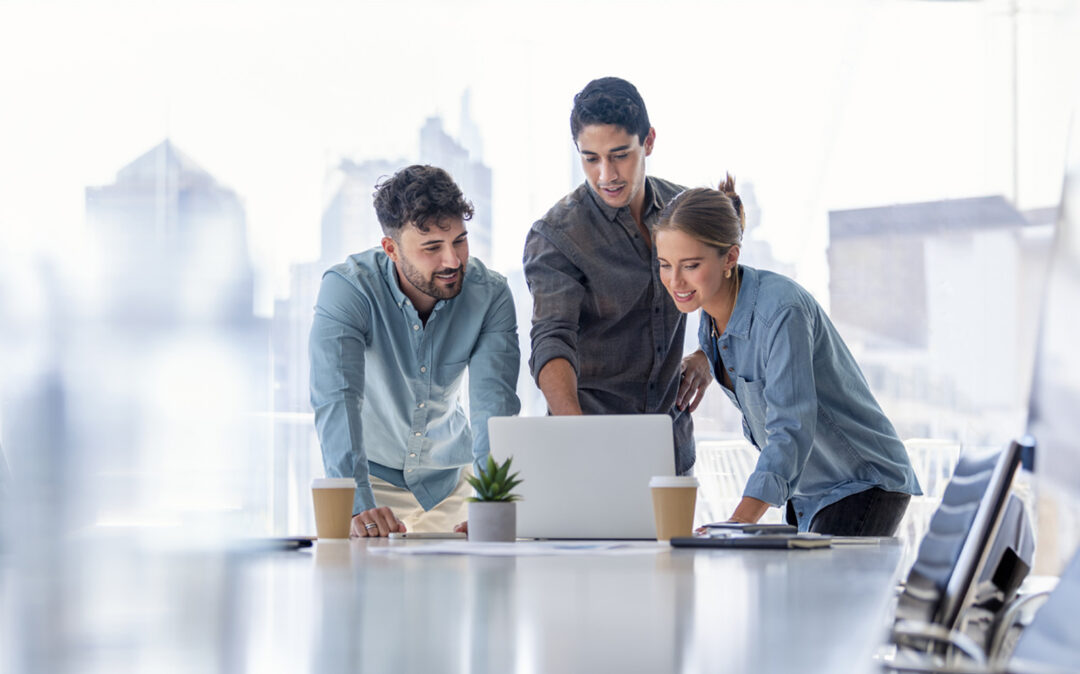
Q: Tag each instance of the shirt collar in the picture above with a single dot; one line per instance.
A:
(651, 202)
(739, 323)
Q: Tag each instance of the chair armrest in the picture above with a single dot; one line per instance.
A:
(905, 631)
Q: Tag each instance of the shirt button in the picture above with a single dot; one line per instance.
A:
(423, 368)
(416, 326)
(421, 405)
(413, 455)
(417, 434)
(656, 310)
(410, 470)
(731, 369)
(723, 348)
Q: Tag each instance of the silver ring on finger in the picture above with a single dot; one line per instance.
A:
(371, 525)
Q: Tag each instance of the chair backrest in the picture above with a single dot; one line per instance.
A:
(955, 550)
(1010, 558)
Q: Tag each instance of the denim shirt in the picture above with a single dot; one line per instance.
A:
(386, 388)
(598, 303)
(805, 404)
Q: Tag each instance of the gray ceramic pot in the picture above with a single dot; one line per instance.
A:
(493, 521)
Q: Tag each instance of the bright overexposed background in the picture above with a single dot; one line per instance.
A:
(175, 176)
(817, 108)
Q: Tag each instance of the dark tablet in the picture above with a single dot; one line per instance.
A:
(782, 541)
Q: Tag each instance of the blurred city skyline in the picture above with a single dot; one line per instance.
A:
(241, 165)
(833, 106)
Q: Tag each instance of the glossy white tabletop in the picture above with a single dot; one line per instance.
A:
(672, 611)
(128, 606)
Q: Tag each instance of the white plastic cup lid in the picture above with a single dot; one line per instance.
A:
(673, 481)
(333, 483)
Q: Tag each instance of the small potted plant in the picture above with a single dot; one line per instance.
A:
(492, 512)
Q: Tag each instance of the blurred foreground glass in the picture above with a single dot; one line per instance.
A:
(128, 391)
(1054, 416)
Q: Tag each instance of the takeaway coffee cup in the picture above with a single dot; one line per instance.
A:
(333, 497)
(673, 501)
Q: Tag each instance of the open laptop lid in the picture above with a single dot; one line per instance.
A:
(585, 476)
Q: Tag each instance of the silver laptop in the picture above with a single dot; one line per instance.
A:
(585, 476)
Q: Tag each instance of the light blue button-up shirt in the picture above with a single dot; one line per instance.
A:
(804, 401)
(386, 388)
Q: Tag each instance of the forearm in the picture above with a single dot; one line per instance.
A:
(339, 430)
(749, 510)
(558, 382)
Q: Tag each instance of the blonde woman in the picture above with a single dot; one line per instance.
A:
(828, 453)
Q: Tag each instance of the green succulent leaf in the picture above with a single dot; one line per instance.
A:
(500, 474)
(494, 481)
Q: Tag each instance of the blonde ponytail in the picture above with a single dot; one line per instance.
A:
(728, 188)
(713, 217)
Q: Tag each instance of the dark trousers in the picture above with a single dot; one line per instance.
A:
(874, 512)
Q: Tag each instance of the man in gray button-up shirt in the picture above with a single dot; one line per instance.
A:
(606, 338)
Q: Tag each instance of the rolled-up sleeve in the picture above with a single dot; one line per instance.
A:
(557, 288)
(339, 337)
(791, 408)
(493, 372)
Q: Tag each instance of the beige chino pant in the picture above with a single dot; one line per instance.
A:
(452, 511)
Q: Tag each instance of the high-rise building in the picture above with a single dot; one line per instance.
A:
(938, 302)
(171, 241)
(349, 224)
(176, 360)
(471, 175)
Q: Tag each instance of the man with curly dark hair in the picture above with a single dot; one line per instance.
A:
(606, 338)
(395, 329)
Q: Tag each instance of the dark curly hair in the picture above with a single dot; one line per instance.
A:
(416, 195)
(610, 100)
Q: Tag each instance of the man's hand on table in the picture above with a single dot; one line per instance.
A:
(376, 522)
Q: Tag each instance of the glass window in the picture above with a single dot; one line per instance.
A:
(174, 179)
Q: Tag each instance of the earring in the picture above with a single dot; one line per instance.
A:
(727, 274)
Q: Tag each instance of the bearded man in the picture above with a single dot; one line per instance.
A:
(395, 329)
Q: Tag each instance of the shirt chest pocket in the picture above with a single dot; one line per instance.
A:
(448, 375)
(751, 395)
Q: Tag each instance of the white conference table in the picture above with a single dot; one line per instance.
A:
(344, 607)
(126, 604)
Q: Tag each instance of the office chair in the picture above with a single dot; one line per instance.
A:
(1048, 644)
(976, 553)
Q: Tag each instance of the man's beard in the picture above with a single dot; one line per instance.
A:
(432, 287)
